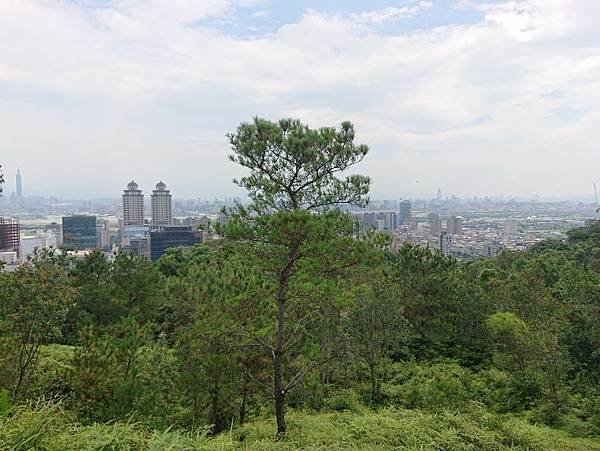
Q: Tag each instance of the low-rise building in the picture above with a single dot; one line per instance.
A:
(172, 236)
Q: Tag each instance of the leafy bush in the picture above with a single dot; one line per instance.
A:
(123, 373)
(437, 386)
(53, 365)
(505, 392)
(344, 401)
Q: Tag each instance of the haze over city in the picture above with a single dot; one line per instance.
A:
(476, 97)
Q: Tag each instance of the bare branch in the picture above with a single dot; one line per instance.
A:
(294, 381)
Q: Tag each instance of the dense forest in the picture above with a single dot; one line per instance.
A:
(292, 331)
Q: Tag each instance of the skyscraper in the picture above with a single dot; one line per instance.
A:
(19, 186)
(454, 225)
(435, 224)
(390, 221)
(369, 220)
(405, 211)
(162, 214)
(439, 194)
(133, 206)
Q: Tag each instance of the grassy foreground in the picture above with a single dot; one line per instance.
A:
(47, 428)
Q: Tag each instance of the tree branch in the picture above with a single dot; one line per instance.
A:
(294, 381)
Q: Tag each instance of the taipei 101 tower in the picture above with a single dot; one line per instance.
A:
(19, 186)
(19, 191)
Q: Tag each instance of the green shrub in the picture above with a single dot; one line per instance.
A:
(344, 401)
(4, 402)
(434, 387)
(54, 363)
(504, 392)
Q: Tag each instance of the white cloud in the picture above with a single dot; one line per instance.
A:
(463, 107)
(391, 13)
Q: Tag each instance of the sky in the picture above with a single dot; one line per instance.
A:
(473, 97)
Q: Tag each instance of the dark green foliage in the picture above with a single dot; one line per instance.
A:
(123, 372)
(377, 328)
(111, 289)
(33, 308)
(588, 235)
(294, 167)
(176, 260)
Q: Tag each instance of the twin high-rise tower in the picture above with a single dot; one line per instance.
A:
(162, 213)
(133, 206)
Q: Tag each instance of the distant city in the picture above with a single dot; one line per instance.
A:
(463, 228)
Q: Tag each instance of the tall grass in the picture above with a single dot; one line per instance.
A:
(45, 426)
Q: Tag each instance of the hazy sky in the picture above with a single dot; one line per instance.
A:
(475, 97)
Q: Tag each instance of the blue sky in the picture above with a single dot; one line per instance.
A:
(266, 17)
(476, 97)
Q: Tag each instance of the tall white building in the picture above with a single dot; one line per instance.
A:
(162, 212)
(454, 225)
(133, 206)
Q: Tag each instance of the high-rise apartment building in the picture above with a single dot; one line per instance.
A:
(390, 221)
(405, 211)
(510, 228)
(454, 225)
(435, 224)
(162, 213)
(133, 206)
(369, 220)
(9, 235)
(446, 243)
(382, 220)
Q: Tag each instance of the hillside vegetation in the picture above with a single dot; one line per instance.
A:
(293, 331)
(48, 428)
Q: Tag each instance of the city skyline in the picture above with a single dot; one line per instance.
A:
(150, 183)
(474, 97)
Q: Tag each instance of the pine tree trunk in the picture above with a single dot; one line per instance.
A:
(279, 392)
